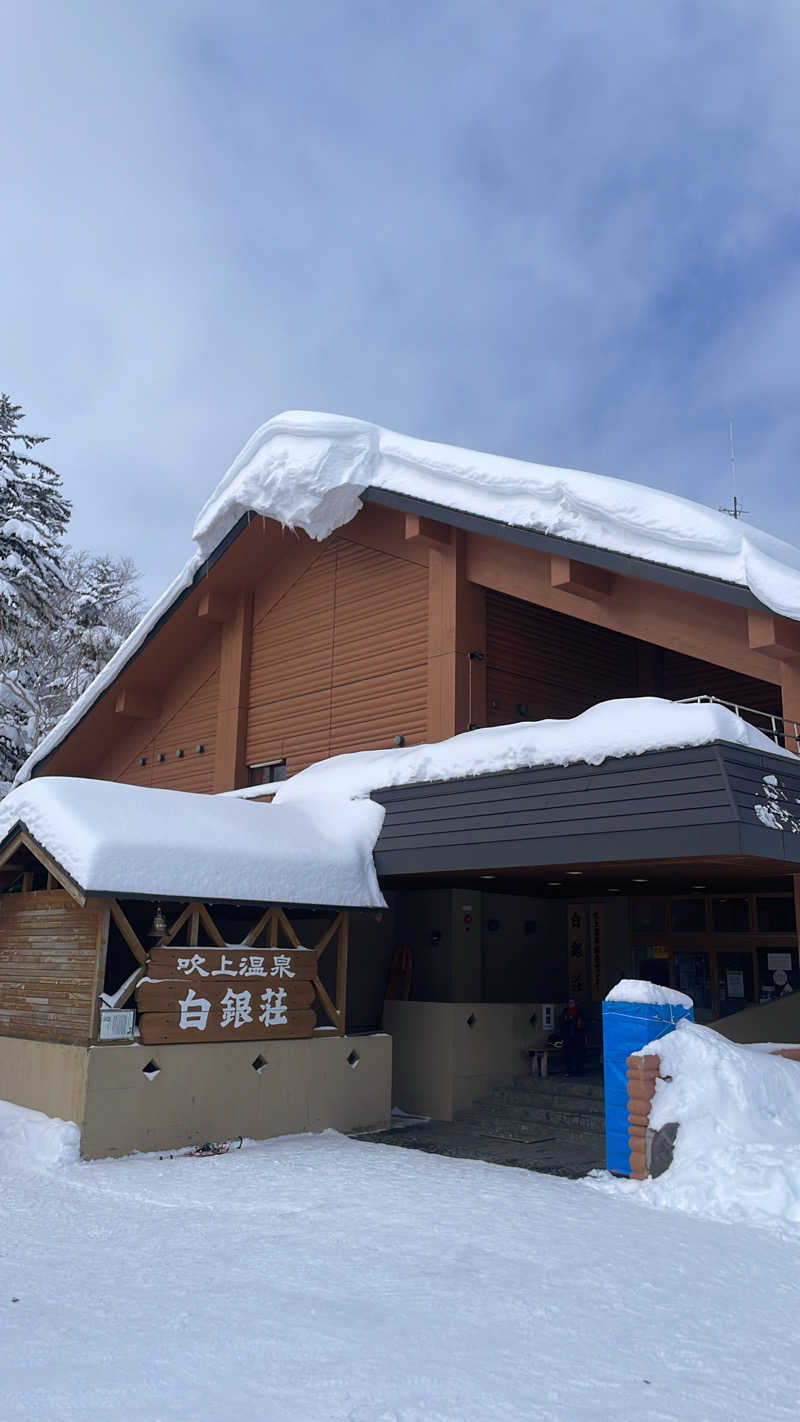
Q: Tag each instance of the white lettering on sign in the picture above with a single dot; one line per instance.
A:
(235, 1009)
(192, 965)
(250, 965)
(273, 1013)
(194, 1011)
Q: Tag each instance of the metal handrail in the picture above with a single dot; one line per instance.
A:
(779, 728)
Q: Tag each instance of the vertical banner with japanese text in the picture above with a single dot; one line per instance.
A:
(597, 952)
(576, 959)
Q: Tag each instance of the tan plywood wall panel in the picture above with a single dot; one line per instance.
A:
(48, 954)
(193, 724)
(339, 663)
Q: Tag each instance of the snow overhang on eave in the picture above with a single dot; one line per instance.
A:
(627, 564)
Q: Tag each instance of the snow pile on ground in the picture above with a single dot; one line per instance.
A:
(308, 470)
(315, 1277)
(737, 1153)
(36, 1142)
(128, 839)
(629, 726)
(650, 994)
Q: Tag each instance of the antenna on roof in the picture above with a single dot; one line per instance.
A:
(737, 511)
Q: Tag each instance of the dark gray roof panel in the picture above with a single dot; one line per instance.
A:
(666, 804)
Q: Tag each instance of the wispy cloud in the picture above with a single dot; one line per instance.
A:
(561, 231)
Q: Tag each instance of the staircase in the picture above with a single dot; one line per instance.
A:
(553, 1124)
(562, 1118)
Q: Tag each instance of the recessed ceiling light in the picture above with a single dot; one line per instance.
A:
(488, 876)
(574, 873)
(613, 891)
(554, 883)
(699, 886)
(638, 881)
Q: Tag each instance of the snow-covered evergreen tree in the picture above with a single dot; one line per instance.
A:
(33, 518)
(62, 613)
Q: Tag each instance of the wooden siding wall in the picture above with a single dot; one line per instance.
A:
(48, 957)
(557, 665)
(193, 724)
(340, 662)
(552, 664)
(687, 676)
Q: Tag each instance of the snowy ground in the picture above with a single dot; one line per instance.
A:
(321, 1278)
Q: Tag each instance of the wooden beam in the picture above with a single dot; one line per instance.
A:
(319, 948)
(127, 932)
(287, 928)
(258, 928)
(136, 703)
(426, 531)
(456, 628)
(210, 927)
(341, 970)
(569, 576)
(230, 767)
(176, 926)
(773, 636)
(103, 923)
(216, 607)
(50, 864)
(328, 1005)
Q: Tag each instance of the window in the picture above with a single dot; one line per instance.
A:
(647, 915)
(269, 772)
(688, 916)
(730, 915)
(775, 915)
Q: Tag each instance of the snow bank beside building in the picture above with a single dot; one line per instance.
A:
(36, 1142)
(737, 1153)
(629, 726)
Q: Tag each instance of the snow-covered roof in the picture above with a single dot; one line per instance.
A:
(628, 726)
(308, 471)
(129, 839)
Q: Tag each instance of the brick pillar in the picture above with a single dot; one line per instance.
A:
(642, 1075)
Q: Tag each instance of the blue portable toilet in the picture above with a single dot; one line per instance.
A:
(634, 1013)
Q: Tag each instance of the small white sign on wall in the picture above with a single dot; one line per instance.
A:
(548, 1016)
(116, 1023)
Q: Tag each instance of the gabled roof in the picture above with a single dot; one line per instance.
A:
(128, 841)
(313, 471)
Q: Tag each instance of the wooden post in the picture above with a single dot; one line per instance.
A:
(456, 627)
(790, 697)
(341, 972)
(230, 766)
(103, 925)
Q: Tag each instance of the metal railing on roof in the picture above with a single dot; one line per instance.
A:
(780, 729)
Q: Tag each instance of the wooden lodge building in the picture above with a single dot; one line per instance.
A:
(412, 621)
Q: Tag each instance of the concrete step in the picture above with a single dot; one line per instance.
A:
(541, 1089)
(526, 1116)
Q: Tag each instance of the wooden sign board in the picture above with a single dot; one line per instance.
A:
(227, 994)
(234, 961)
(165, 996)
(155, 1027)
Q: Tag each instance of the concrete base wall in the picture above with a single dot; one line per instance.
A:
(45, 1076)
(441, 1063)
(211, 1091)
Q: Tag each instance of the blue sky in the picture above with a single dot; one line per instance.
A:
(565, 230)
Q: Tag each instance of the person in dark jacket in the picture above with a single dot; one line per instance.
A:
(573, 1033)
